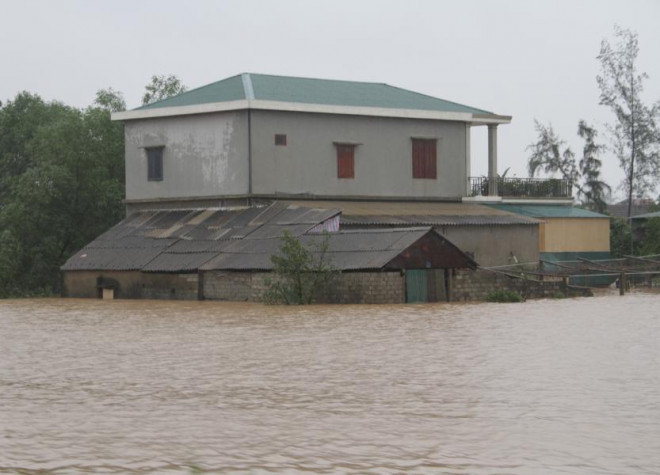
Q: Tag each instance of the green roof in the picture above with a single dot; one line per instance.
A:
(548, 211)
(311, 91)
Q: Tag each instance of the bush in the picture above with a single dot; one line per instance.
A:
(504, 295)
(299, 272)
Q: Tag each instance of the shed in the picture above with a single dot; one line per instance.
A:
(225, 254)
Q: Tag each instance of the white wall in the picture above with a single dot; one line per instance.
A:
(383, 160)
(204, 155)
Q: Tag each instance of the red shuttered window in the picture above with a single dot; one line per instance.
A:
(345, 161)
(424, 158)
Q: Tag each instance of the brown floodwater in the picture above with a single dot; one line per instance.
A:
(545, 387)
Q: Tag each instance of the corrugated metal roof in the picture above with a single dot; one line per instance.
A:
(146, 236)
(111, 259)
(548, 211)
(158, 242)
(397, 213)
(178, 262)
(311, 91)
(347, 250)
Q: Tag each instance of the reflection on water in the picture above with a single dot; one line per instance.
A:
(568, 386)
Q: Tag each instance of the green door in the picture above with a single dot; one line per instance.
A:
(416, 285)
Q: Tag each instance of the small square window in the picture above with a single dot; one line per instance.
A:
(345, 160)
(280, 139)
(154, 163)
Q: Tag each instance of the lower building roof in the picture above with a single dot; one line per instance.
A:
(547, 211)
(190, 240)
(417, 213)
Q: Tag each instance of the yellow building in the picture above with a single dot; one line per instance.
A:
(567, 233)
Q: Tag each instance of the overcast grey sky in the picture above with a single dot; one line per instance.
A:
(529, 59)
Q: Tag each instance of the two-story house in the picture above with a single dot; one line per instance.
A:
(256, 136)
(349, 157)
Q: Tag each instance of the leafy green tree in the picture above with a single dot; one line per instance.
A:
(550, 154)
(635, 133)
(64, 187)
(110, 99)
(161, 87)
(299, 272)
(650, 237)
(620, 237)
(20, 120)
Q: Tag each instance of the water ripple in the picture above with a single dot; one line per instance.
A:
(569, 386)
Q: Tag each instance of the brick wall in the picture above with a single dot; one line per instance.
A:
(226, 285)
(476, 285)
(169, 286)
(131, 284)
(349, 287)
(366, 287)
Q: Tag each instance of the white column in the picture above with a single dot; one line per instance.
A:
(468, 159)
(492, 159)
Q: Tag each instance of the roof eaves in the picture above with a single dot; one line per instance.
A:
(206, 108)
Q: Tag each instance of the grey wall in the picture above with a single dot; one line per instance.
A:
(383, 160)
(495, 245)
(204, 155)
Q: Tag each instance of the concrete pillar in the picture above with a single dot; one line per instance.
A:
(468, 159)
(492, 159)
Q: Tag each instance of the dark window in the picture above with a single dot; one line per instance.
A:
(154, 163)
(424, 158)
(280, 139)
(345, 161)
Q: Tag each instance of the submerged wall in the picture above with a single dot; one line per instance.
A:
(476, 285)
(130, 285)
(349, 287)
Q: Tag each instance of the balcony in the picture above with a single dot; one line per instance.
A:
(529, 188)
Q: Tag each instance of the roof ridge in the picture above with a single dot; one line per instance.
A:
(248, 87)
(316, 79)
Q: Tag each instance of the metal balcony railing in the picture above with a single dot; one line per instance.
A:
(523, 187)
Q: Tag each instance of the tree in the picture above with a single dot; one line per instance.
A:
(300, 272)
(635, 133)
(161, 87)
(110, 100)
(650, 234)
(593, 190)
(551, 155)
(620, 237)
(63, 187)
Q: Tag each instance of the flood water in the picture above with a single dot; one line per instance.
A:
(545, 387)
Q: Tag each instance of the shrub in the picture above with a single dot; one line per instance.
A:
(504, 295)
(299, 272)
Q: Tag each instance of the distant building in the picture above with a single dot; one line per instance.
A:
(639, 206)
